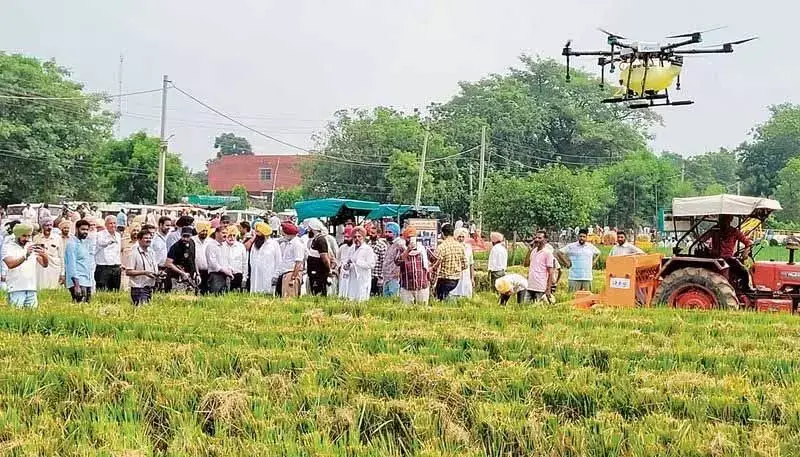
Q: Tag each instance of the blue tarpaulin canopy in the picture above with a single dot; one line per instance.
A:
(333, 207)
(395, 211)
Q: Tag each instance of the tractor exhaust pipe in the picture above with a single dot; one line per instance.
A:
(791, 256)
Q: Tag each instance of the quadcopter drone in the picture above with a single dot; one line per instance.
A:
(647, 70)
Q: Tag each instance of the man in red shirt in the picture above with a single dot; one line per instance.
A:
(723, 244)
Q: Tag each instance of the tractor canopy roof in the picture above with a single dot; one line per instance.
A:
(713, 205)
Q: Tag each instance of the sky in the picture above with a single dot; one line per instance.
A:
(284, 67)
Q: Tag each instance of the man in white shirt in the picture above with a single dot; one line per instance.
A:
(29, 215)
(237, 258)
(498, 257)
(201, 241)
(159, 248)
(623, 247)
(20, 257)
(291, 268)
(219, 271)
(142, 269)
(274, 224)
(108, 250)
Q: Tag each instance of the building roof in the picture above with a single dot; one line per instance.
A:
(228, 171)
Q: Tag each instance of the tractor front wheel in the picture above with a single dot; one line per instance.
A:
(696, 288)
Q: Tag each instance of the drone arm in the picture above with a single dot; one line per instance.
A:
(671, 46)
(722, 50)
(570, 52)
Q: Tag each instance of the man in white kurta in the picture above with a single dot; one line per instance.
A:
(265, 258)
(50, 277)
(343, 256)
(362, 261)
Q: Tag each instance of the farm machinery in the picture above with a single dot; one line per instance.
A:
(707, 269)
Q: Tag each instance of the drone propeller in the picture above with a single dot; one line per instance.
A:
(611, 35)
(732, 43)
(689, 35)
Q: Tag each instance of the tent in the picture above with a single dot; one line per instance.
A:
(397, 211)
(333, 208)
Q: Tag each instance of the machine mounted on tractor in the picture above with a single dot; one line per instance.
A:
(701, 276)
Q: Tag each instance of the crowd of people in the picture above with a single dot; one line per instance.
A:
(272, 257)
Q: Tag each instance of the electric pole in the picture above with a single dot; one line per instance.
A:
(418, 201)
(482, 175)
(119, 97)
(471, 194)
(738, 188)
(162, 154)
(683, 171)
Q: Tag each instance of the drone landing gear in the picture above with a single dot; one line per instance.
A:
(648, 100)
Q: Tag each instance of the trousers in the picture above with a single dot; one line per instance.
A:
(107, 277)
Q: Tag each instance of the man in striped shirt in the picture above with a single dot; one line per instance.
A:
(413, 263)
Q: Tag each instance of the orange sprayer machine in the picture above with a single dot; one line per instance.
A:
(630, 280)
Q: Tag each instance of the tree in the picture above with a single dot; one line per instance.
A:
(773, 145)
(286, 198)
(129, 171)
(552, 198)
(375, 155)
(244, 198)
(47, 146)
(229, 144)
(788, 191)
(641, 183)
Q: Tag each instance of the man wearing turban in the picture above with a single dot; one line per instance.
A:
(51, 277)
(291, 267)
(20, 257)
(201, 242)
(265, 258)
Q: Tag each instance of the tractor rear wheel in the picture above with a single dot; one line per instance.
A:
(696, 288)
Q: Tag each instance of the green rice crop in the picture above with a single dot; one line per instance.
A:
(244, 376)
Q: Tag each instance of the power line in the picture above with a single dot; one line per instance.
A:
(75, 163)
(83, 97)
(236, 121)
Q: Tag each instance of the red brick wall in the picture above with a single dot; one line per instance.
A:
(228, 171)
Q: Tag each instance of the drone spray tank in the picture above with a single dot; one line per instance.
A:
(641, 78)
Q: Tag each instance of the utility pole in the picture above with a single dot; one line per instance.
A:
(119, 97)
(418, 201)
(162, 156)
(482, 175)
(683, 171)
(738, 188)
(471, 194)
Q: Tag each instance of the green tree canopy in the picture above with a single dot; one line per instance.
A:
(129, 171)
(244, 198)
(286, 198)
(47, 146)
(228, 144)
(774, 143)
(375, 155)
(640, 184)
(551, 198)
(788, 191)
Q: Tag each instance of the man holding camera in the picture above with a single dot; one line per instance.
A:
(21, 257)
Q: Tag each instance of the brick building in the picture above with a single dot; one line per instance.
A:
(259, 174)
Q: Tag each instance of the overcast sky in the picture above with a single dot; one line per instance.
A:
(285, 66)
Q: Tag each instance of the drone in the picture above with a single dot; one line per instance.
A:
(648, 70)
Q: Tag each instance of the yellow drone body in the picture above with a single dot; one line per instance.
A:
(655, 78)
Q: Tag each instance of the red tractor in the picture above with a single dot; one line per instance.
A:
(704, 274)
